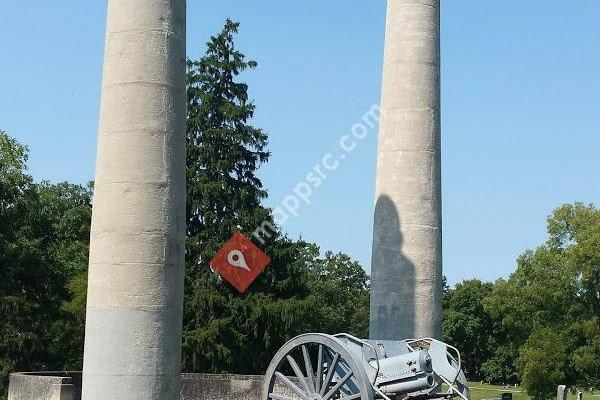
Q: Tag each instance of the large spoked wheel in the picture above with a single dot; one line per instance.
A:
(315, 367)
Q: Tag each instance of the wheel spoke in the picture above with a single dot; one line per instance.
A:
(291, 385)
(337, 386)
(319, 376)
(330, 369)
(309, 369)
(353, 397)
(299, 374)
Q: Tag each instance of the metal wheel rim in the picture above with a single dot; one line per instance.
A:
(307, 387)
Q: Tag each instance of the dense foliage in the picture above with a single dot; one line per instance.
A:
(540, 327)
(44, 233)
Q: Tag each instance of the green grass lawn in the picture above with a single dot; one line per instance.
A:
(479, 392)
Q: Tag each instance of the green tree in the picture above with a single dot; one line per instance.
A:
(44, 230)
(341, 286)
(223, 331)
(500, 367)
(21, 290)
(542, 363)
(553, 297)
(586, 357)
(223, 150)
(574, 231)
(468, 325)
(68, 211)
(299, 291)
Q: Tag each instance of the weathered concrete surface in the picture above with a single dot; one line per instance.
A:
(407, 239)
(135, 289)
(32, 386)
(228, 387)
(220, 387)
(45, 386)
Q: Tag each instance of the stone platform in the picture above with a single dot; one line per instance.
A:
(67, 386)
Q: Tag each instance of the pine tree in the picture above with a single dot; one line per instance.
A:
(224, 150)
(223, 330)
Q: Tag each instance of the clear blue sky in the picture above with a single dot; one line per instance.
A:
(521, 133)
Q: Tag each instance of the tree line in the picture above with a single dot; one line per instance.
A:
(540, 326)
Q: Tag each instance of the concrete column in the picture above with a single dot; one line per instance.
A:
(135, 289)
(407, 239)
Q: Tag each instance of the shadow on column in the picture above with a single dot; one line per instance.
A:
(392, 278)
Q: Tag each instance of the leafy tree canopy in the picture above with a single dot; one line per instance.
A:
(550, 306)
(467, 323)
(44, 233)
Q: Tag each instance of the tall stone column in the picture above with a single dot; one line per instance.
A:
(135, 288)
(407, 239)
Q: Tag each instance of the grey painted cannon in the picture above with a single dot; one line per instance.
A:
(317, 366)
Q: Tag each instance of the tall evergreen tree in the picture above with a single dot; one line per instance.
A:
(224, 150)
(223, 330)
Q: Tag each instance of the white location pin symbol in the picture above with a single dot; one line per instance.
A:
(236, 259)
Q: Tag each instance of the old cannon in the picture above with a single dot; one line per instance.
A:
(317, 366)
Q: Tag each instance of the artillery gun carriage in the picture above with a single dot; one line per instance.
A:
(317, 366)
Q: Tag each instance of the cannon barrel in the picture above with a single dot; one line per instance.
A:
(406, 373)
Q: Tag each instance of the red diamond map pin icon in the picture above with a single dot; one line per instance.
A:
(239, 261)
